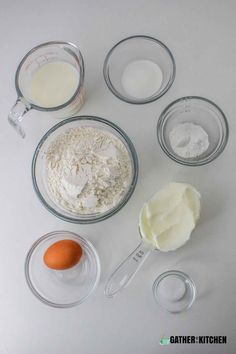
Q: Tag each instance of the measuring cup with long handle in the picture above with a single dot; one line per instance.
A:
(37, 57)
(126, 271)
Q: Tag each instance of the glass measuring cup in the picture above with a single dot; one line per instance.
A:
(36, 58)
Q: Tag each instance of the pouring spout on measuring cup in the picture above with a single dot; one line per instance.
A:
(126, 271)
(16, 115)
(50, 78)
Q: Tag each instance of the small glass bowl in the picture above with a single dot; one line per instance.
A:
(62, 288)
(138, 48)
(174, 291)
(39, 171)
(200, 111)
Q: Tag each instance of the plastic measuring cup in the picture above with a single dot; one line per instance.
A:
(126, 271)
(37, 57)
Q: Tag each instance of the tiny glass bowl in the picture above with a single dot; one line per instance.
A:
(174, 291)
(62, 288)
(202, 112)
(39, 173)
(138, 48)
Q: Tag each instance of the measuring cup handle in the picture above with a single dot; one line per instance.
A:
(16, 115)
(125, 272)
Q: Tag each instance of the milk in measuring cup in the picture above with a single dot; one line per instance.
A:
(53, 84)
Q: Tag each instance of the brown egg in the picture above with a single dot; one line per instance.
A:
(63, 254)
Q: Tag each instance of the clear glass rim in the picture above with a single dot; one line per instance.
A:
(138, 101)
(81, 79)
(89, 218)
(185, 277)
(28, 278)
(205, 160)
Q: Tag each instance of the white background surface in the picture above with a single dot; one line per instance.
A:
(201, 36)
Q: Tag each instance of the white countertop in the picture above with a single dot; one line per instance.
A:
(201, 36)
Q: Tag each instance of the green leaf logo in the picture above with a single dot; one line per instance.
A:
(164, 341)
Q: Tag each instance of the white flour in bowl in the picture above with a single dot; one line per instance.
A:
(88, 170)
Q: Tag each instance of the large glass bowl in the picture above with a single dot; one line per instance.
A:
(39, 168)
(62, 288)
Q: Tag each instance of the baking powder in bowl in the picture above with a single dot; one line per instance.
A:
(188, 140)
(88, 170)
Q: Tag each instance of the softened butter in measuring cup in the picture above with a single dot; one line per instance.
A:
(168, 218)
(53, 84)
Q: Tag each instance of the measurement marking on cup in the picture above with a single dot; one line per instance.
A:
(41, 60)
(138, 256)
